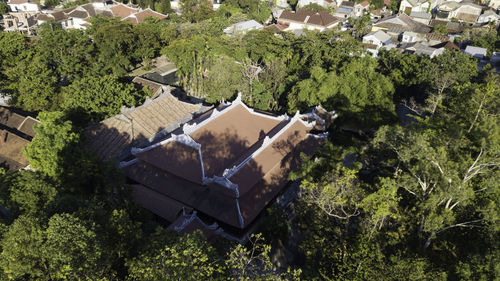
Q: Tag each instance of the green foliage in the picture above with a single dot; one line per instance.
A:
(255, 9)
(196, 10)
(4, 8)
(66, 249)
(314, 7)
(54, 141)
(35, 91)
(484, 38)
(22, 250)
(163, 7)
(116, 42)
(356, 91)
(51, 3)
(440, 29)
(99, 96)
(31, 192)
(71, 250)
(190, 257)
(254, 263)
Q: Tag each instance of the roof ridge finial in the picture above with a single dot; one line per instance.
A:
(238, 98)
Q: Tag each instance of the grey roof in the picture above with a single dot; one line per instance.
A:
(475, 51)
(380, 35)
(420, 15)
(404, 22)
(243, 26)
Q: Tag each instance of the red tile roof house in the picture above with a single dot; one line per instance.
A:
(306, 19)
(134, 15)
(228, 164)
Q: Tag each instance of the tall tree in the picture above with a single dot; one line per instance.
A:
(52, 145)
(196, 10)
(99, 96)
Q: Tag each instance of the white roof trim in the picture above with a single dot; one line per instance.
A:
(225, 182)
(228, 173)
(189, 129)
(240, 217)
(190, 218)
(184, 139)
(124, 164)
(319, 136)
(26, 118)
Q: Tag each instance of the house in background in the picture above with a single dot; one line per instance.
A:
(488, 16)
(361, 8)
(76, 17)
(378, 38)
(421, 17)
(243, 27)
(228, 164)
(423, 50)
(23, 22)
(494, 4)
(375, 40)
(409, 6)
(476, 52)
(140, 17)
(397, 24)
(23, 6)
(16, 132)
(463, 11)
(306, 19)
(345, 10)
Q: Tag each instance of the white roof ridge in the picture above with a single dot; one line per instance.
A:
(228, 173)
(191, 128)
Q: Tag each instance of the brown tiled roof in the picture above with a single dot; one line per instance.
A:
(28, 125)
(408, 24)
(365, 3)
(454, 27)
(229, 163)
(123, 11)
(437, 37)
(298, 17)
(9, 118)
(141, 16)
(16, 132)
(18, 1)
(90, 9)
(321, 18)
(447, 45)
(154, 88)
(44, 17)
(467, 17)
(157, 203)
(110, 137)
(58, 16)
(78, 14)
(11, 150)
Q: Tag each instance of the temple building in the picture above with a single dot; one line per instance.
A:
(226, 165)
